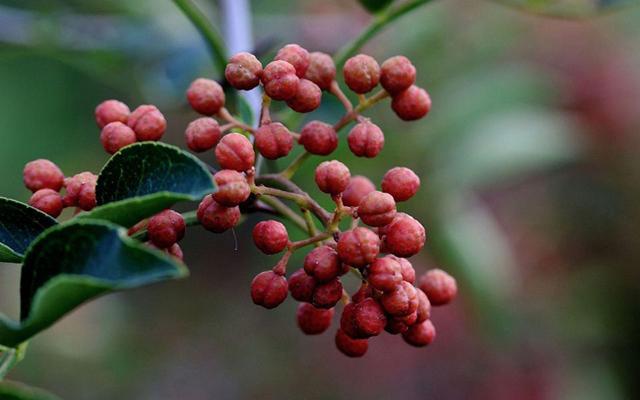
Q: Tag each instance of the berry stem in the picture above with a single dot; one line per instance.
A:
(284, 211)
(335, 90)
(363, 105)
(226, 115)
(265, 115)
(306, 242)
(288, 172)
(311, 226)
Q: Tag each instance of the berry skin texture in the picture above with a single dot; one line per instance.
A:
(166, 228)
(332, 177)
(323, 264)
(313, 321)
(81, 191)
(147, 122)
(205, 96)
(411, 104)
(321, 71)
(420, 335)
(307, 98)
(215, 217)
(235, 152)
(404, 237)
(42, 174)
(440, 287)
(327, 295)
(116, 135)
(366, 139)
(233, 188)
(377, 209)
(351, 347)
(402, 301)
(358, 247)
(301, 286)
(273, 140)
(366, 319)
(397, 74)
(176, 251)
(358, 187)
(280, 80)
(385, 274)
(361, 73)
(268, 289)
(111, 111)
(318, 138)
(296, 56)
(243, 71)
(423, 312)
(48, 201)
(270, 237)
(401, 183)
(408, 273)
(202, 134)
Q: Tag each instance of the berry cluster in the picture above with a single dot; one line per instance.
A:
(380, 238)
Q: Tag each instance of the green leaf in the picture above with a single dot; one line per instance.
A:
(375, 5)
(568, 8)
(246, 113)
(19, 391)
(9, 357)
(75, 262)
(19, 225)
(145, 178)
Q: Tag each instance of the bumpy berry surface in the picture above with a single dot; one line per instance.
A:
(116, 135)
(307, 97)
(269, 289)
(111, 111)
(385, 274)
(366, 139)
(349, 346)
(202, 134)
(365, 320)
(404, 237)
(318, 138)
(296, 56)
(397, 74)
(233, 188)
(358, 187)
(420, 335)
(235, 152)
(280, 80)
(411, 104)
(147, 122)
(322, 70)
(400, 182)
(302, 286)
(361, 73)
(216, 217)
(402, 301)
(42, 174)
(166, 228)
(48, 201)
(243, 71)
(312, 320)
(327, 295)
(81, 191)
(423, 312)
(332, 177)
(273, 140)
(358, 247)
(323, 264)
(270, 236)
(408, 273)
(377, 209)
(206, 96)
(440, 287)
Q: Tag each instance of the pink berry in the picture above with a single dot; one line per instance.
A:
(404, 237)
(420, 335)
(243, 71)
(202, 134)
(270, 237)
(280, 80)
(440, 287)
(408, 273)
(321, 71)
(48, 201)
(357, 189)
(42, 174)
(377, 209)
(364, 320)
(111, 111)
(366, 139)
(411, 104)
(313, 321)
(328, 294)
(273, 140)
(397, 74)
(176, 252)
(424, 307)
(318, 138)
(166, 228)
(307, 97)
(402, 301)
(349, 346)
(235, 152)
(332, 177)
(147, 122)
(400, 182)
(358, 247)
(268, 289)
(215, 217)
(302, 286)
(233, 188)
(296, 56)
(385, 274)
(116, 135)
(205, 96)
(81, 191)
(361, 73)
(323, 264)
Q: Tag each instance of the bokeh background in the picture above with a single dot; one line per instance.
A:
(529, 161)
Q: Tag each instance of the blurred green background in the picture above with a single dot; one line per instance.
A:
(529, 162)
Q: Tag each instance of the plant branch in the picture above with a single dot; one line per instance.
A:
(285, 211)
(363, 105)
(295, 165)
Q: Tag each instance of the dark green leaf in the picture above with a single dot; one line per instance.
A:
(19, 225)
(246, 113)
(19, 391)
(375, 5)
(145, 178)
(568, 8)
(77, 261)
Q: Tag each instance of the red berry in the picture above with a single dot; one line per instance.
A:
(397, 74)
(243, 71)
(424, 307)
(116, 135)
(408, 273)
(202, 134)
(111, 111)
(323, 264)
(358, 247)
(328, 294)
(361, 73)
(302, 286)
(273, 140)
(395, 326)
(42, 174)
(364, 292)
(411, 104)
(313, 321)
(235, 152)
(385, 274)
(205, 96)
(296, 56)
(166, 228)
(367, 319)
(440, 287)
(307, 98)
(349, 346)
(318, 138)
(402, 301)
(147, 122)
(420, 335)
(268, 289)
(377, 209)
(401, 183)
(332, 177)
(366, 139)
(404, 237)
(280, 80)
(48, 201)
(176, 251)
(81, 191)
(270, 237)
(215, 217)
(321, 71)
(357, 189)
(233, 188)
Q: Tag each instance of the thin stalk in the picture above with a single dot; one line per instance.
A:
(306, 242)
(285, 211)
(295, 165)
(364, 104)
